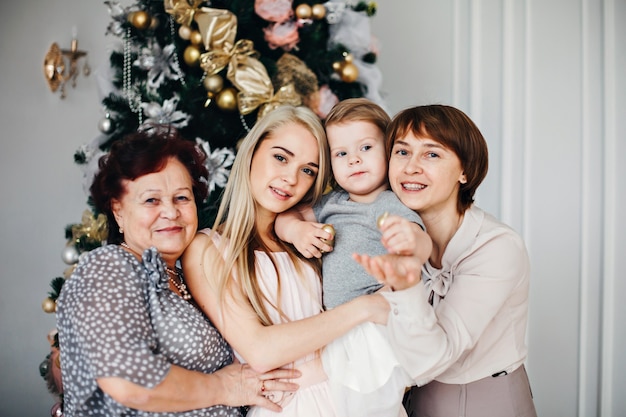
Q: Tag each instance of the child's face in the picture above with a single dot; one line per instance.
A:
(357, 156)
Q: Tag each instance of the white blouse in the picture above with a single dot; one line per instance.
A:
(476, 326)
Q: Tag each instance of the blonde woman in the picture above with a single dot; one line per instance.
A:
(263, 296)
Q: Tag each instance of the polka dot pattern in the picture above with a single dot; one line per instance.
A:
(117, 317)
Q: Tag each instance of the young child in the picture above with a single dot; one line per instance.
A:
(366, 378)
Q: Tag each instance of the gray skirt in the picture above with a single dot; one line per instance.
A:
(499, 396)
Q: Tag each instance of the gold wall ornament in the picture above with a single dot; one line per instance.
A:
(61, 66)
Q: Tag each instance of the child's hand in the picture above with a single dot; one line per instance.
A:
(400, 236)
(311, 239)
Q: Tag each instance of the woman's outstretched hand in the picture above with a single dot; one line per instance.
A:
(396, 271)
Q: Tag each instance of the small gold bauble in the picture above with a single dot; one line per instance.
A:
(191, 56)
(227, 99)
(303, 11)
(349, 72)
(381, 219)
(347, 57)
(140, 19)
(48, 305)
(195, 38)
(184, 32)
(337, 66)
(318, 11)
(330, 229)
(213, 83)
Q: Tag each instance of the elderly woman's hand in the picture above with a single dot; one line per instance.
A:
(244, 386)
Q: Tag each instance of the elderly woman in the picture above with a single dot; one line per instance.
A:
(132, 341)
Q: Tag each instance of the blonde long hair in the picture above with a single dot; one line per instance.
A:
(236, 217)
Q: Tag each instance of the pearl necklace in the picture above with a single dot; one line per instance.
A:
(179, 284)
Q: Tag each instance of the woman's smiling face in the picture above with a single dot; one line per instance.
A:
(158, 209)
(284, 168)
(424, 174)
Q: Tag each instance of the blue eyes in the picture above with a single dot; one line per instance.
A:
(307, 171)
(363, 148)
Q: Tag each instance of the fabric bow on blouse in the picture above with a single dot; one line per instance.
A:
(438, 281)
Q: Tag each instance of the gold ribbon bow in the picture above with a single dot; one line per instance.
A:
(183, 11)
(255, 87)
(218, 28)
(215, 60)
(268, 101)
(93, 228)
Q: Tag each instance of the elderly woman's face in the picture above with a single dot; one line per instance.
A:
(159, 210)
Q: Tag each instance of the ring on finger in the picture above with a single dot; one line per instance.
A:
(262, 386)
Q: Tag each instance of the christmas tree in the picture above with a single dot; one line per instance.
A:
(210, 69)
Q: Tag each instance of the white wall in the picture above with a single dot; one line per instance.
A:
(41, 187)
(545, 82)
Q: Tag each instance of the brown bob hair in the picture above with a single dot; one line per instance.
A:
(139, 154)
(453, 129)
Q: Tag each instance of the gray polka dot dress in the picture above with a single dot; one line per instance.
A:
(117, 317)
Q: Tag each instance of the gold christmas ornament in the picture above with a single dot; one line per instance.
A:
(183, 11)
(184, 32)
(348, 57)
(304, 11)
(381, 219)
(195, 37)
(349, 72)
(227, 99)
(139, 19)
(213, 83)
(191, 56)
(209, 98)
(318, 11)
(330, 229)
(337, 66)
(292, 70)
(49, 305)
(91, 228)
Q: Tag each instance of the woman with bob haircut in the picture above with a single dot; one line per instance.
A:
(460, 331)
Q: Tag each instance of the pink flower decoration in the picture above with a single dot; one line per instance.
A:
(274, 10)
(325, 101)
(282, 35)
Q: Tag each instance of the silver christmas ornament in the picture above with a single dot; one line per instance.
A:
(106, 124)
(70, 254)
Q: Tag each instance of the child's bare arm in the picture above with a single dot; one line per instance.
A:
(298, 227)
